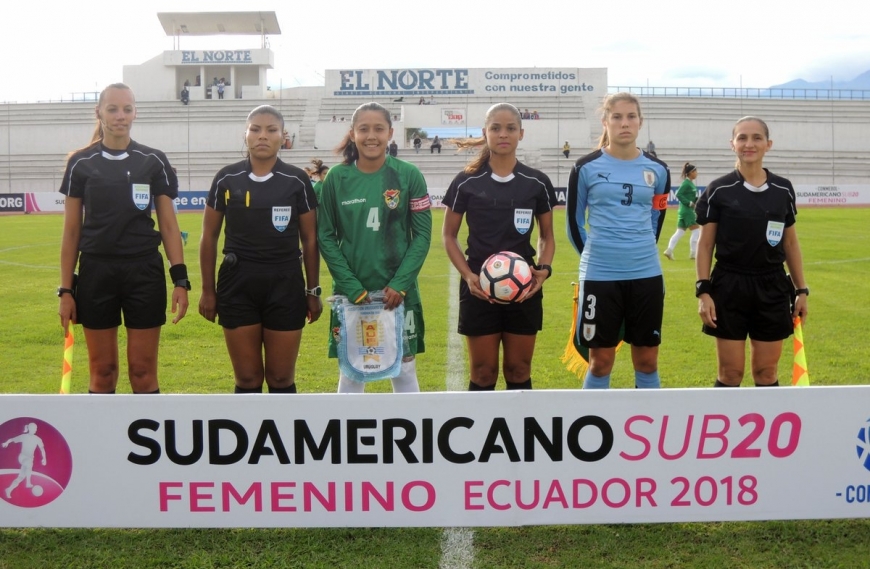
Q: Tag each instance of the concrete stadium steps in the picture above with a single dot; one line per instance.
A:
(771, 110)
(548, 107)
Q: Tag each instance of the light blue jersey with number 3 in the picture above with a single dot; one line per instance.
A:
(616, 198)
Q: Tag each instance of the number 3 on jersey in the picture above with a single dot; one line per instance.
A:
(373, 221)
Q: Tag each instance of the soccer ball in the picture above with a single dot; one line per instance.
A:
(505, 277)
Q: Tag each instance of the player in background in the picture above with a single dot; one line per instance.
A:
(261, 297)
(111, 186)
(622, 193)
(501, 199)
(374, 227)
(317, 173)
(687, 195)
(748, 218)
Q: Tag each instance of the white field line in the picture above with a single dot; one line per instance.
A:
(457, 544)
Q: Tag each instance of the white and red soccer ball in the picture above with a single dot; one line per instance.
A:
(505, 277)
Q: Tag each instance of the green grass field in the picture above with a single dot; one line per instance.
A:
(193, 359)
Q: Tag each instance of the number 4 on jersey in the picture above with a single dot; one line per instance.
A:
(373, 221)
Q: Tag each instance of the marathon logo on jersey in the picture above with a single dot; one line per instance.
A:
(649, 177)
(281, 217)
(775, 230)
(588, 332)
(141, 196)
(391, 197)
(523, 220)
(421, 204)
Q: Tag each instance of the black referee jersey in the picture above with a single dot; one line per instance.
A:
(117, 188)
(500, 212)
(751, 221)
(262, 212)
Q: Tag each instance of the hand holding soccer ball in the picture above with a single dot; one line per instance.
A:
(505, 277)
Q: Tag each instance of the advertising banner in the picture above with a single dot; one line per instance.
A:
(435, 459)
(11, 202)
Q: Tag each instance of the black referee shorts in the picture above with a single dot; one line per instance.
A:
(480, 318)
(270, 294)
(110, 286)
(758, 306)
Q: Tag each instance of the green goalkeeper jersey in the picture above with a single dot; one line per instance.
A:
(374, 229)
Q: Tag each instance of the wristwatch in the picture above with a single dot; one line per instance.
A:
(183, 283)
(314, 291)
(547, 268)
(62, 291)
(805, 291)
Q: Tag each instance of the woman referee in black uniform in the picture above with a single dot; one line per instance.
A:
(748, 218)
(111, 186)
(500, 198)
(261, 298)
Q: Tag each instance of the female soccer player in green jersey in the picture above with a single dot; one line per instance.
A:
(374, 227)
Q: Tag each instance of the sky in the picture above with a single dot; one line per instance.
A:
(52, 50)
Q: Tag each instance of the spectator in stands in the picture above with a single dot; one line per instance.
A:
(111, 186)
(687, 195)
(377, 241)
(624, 193)
(287, 143)
(334, 119)
(187, 83)
(185, 95)
(422, 101)
(417, 143)
(501, 199)
(220, 89)
(394, 149)
(431, 100)
(436, 144)
(526, 114)
(261, 297)
(198, 81)
(651, 149)
(748, 218)
(535, 115)
(566, 149)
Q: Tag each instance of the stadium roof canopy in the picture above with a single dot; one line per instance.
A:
(219, 23)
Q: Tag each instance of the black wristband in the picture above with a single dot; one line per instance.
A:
(703, 286)
(178, 272)
(547, 268)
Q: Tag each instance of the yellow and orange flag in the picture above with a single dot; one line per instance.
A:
(66, 374)
(800, 375)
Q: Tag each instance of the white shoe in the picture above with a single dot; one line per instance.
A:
(669, 254)
(692, 256)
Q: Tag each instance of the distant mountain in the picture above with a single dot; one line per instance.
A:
(860, 82)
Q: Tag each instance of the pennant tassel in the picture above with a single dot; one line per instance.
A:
(575, 357)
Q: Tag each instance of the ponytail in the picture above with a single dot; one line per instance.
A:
(482, 156)
(347, 149)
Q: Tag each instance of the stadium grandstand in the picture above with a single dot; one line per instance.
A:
(818, 139)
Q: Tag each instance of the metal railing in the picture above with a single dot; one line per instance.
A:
(746, 93)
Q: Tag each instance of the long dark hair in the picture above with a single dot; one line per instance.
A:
(484, 154)
(688, 168)
(347, 147)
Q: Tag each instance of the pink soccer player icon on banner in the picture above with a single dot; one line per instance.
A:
(35, 462)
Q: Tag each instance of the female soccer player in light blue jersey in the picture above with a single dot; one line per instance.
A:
(621, 193)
